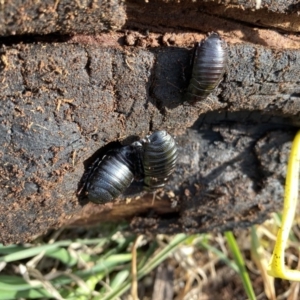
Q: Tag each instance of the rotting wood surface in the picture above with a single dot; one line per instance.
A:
(63, 99)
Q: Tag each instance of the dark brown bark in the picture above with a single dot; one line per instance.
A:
(61, 102)
(204, 16)
(19, 17)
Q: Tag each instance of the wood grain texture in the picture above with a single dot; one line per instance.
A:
(19, 17)
(62, 99)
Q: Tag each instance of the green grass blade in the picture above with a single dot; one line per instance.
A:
(148, 267)
(26, 253)
(119, 278)
(146, 256)
(102, 266)
(15, 287)
(33, 251)
(241, 265)
(221, 255)
(4, 250)
(62, 255)
(28, 294)
(13, 283)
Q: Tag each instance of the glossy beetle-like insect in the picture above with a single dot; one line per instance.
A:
(209, 64)
(159, 158)
(111, 176)
(151, 159)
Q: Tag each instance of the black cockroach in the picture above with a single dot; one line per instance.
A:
(158, 159)
(110, 176)
(209, 64)
(151, 159)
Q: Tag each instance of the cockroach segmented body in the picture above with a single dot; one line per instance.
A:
(151, 160)
(110, 176)
(159, 159)
(209, 65)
